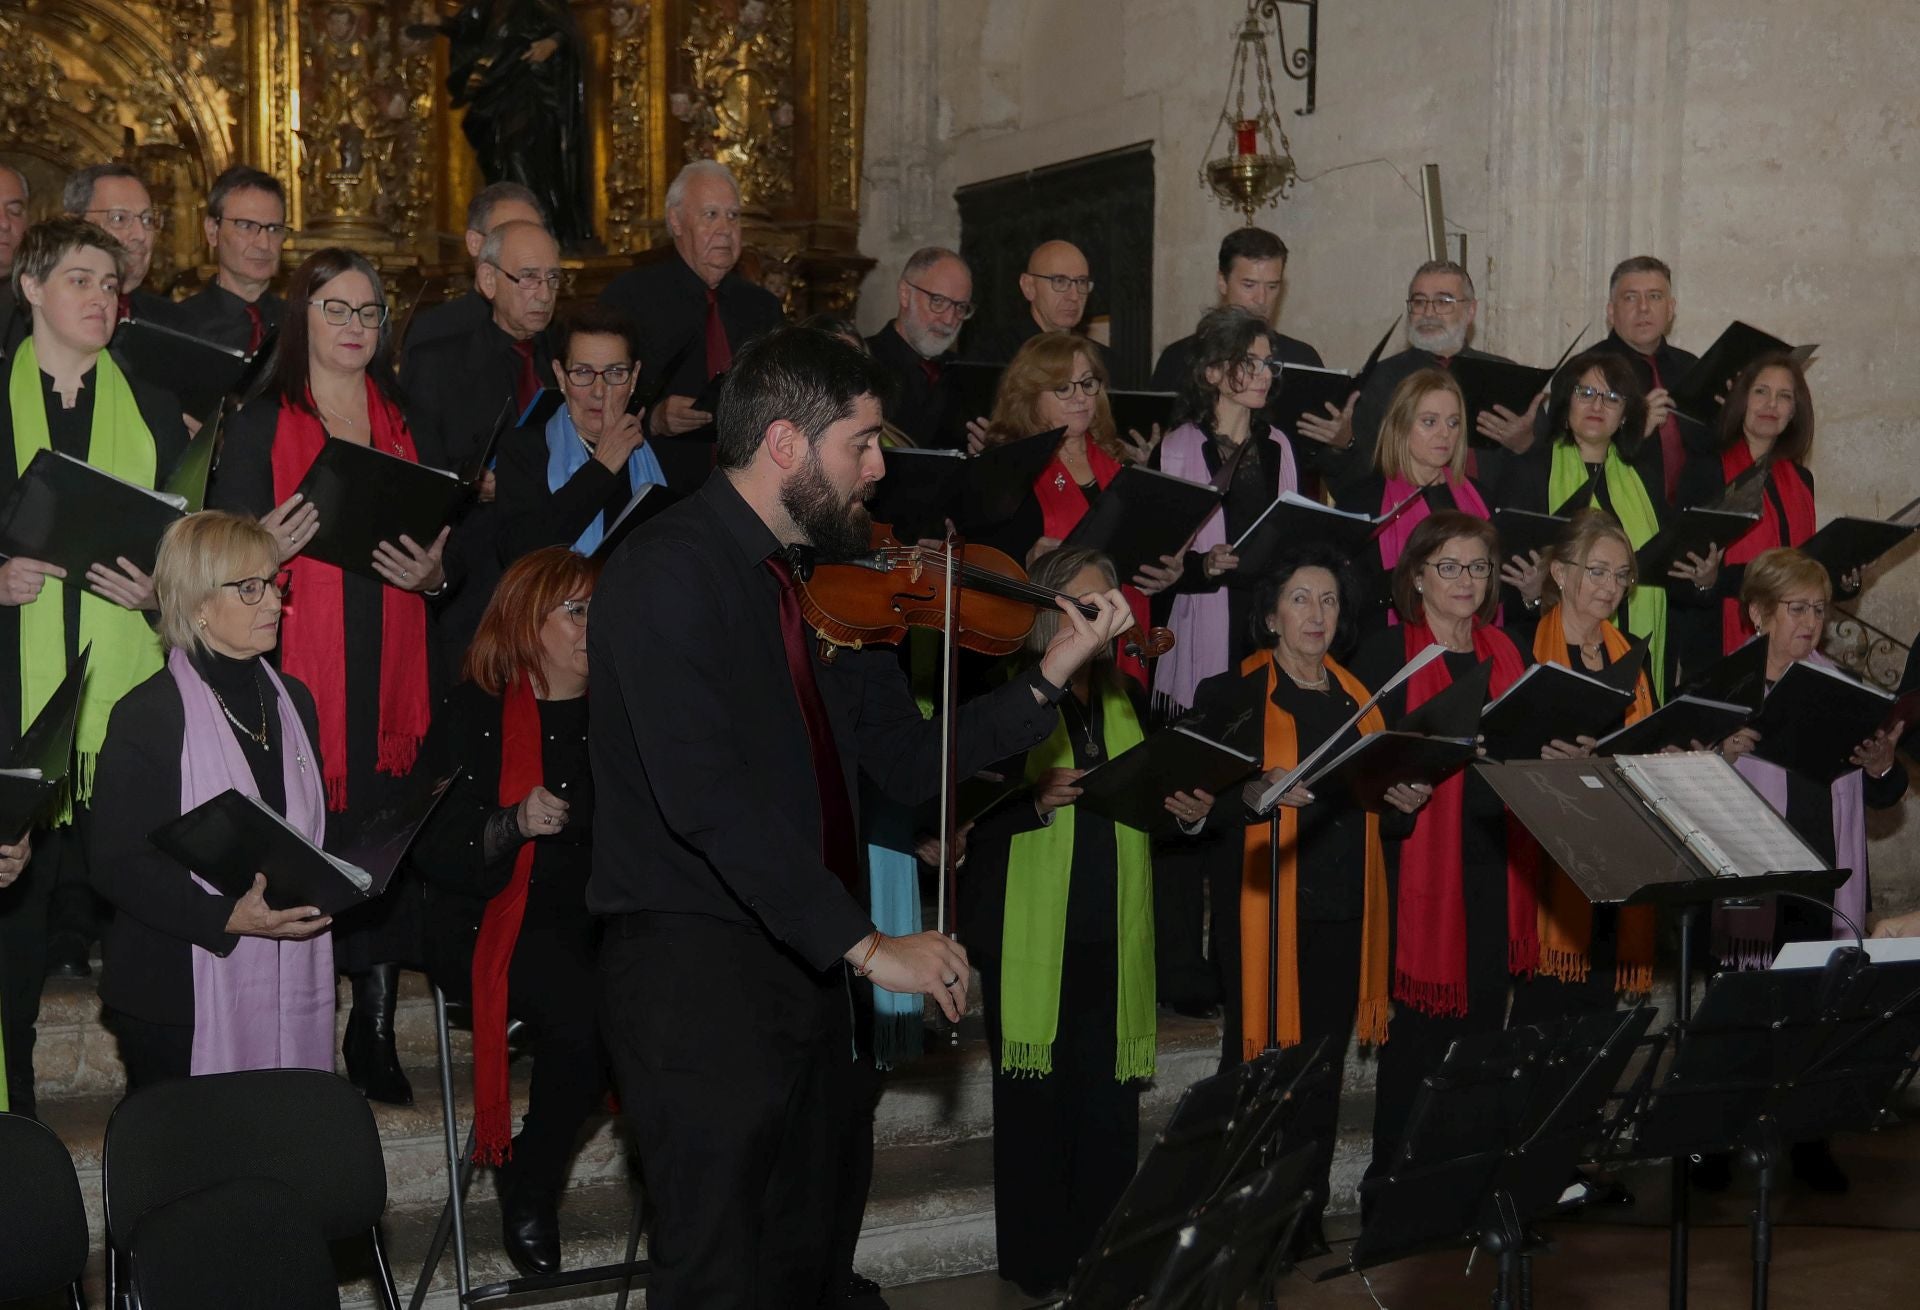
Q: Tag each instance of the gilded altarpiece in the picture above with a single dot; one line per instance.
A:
(346, 102)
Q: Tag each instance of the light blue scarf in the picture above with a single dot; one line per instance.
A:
(893, 882)
(566, 453)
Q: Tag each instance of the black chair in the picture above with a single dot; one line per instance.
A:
(245, 1244)
(43, 1225)
(308, 1129)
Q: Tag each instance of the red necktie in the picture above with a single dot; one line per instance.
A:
(126, 306)
(719, 353)
(526, 384)
(256, 328)
(837, 843)
(1672, 453)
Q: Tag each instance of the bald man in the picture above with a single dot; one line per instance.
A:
(1057, 284)
(458, 385)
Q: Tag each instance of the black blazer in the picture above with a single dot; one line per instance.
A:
(161, 914)
(216, 314)
(914, 404)
(667, 302)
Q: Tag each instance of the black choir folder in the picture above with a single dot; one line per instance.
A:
(1815, 717)
(1690, 532)
(1524, 531)
(1696, 394)
(922, 489)
(38, 762)
(1680, 723)
(200, 373)
(366, 496)
(233, 836)
(1848, 543)
(1142, 411)
(646, 503)
(65, 511)
(1652, 828)
(1142, 515)
(1489, 382)
(1293, 517)
(1303, 389)
(1552, 702)
(1132, 787)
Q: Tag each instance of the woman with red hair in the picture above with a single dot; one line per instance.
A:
(506, 857)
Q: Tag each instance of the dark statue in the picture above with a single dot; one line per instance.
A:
(514, 65)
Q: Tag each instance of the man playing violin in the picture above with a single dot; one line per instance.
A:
(725, 750)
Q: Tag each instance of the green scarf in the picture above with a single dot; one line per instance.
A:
(1039, 866)
(125, 650)
(1647, 606)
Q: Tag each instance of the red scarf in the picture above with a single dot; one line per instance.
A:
(313, 639)
(520, 772)
(1430, 953)
(1063, 504)
(1790, 481)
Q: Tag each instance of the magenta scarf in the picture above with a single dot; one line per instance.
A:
(268, 1004)
(1393, 537)
(1744, 938)
(1199, 619)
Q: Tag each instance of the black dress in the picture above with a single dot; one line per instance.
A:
(386, 930)
(1064, 1145)
(466, 854)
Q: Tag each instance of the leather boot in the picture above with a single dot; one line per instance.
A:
(530, 1228)
(372, 1064)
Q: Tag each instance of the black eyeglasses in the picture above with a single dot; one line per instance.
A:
(253, 590)
(615, 375)
(1062, 283)
(1087, 386)
(340, 313)
(252, 227)
(1453, 568)
(940, 304)
(528, 278)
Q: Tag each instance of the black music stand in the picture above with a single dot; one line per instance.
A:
(1213, 1192)
(1776, 1057)
(1617, 851)
(1495, 1134)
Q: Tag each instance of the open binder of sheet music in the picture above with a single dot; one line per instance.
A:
(1717, 814)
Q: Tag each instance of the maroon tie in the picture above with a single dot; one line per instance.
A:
(837, 842)
(256, 328)
(932, 369)
(719, 353)
(1671, 450)
(526, 384)
(126, 306)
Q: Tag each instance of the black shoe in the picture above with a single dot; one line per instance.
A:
(530, 1229)
(67, 956)
(1814, 1165)
(372, 1064)
(864, 1292)
(1713, 1171)
(1309, 1240)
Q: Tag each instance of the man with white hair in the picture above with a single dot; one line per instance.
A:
(935, 299)
(1440, 314)
(693, 309)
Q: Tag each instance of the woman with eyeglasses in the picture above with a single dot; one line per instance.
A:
(1419, 461)
(359, 642)
(1786, 594)
(1588, 954)
(1597, 412)
(197, 981)
(565, 482)
(506, 855)
(1464, 901)
(1058, 380)
(67, 394)
(1768, 418)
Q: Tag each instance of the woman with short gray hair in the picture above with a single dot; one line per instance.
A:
(197, 981)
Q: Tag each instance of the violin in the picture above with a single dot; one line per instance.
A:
(876, 597)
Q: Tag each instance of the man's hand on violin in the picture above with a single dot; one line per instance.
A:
(1153, 579)
(1080, 638)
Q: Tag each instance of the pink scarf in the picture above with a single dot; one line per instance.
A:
(268, 1004)
(1393, 537)
(1199, 618)
(1743, 938)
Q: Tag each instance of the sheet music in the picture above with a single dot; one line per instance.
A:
(1721, 818)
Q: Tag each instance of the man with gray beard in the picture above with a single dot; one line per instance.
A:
(1440, 314)
(936, 298)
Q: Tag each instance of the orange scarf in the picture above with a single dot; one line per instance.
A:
(1566, 916)
(1256, 992)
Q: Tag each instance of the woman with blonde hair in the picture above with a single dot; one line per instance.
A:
(1420, 460)
(198, 981)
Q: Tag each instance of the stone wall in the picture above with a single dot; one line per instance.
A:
(1766, 149)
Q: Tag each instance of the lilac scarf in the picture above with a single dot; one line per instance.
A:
(1199, 618)
(268, 1004)
(1744, 938)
